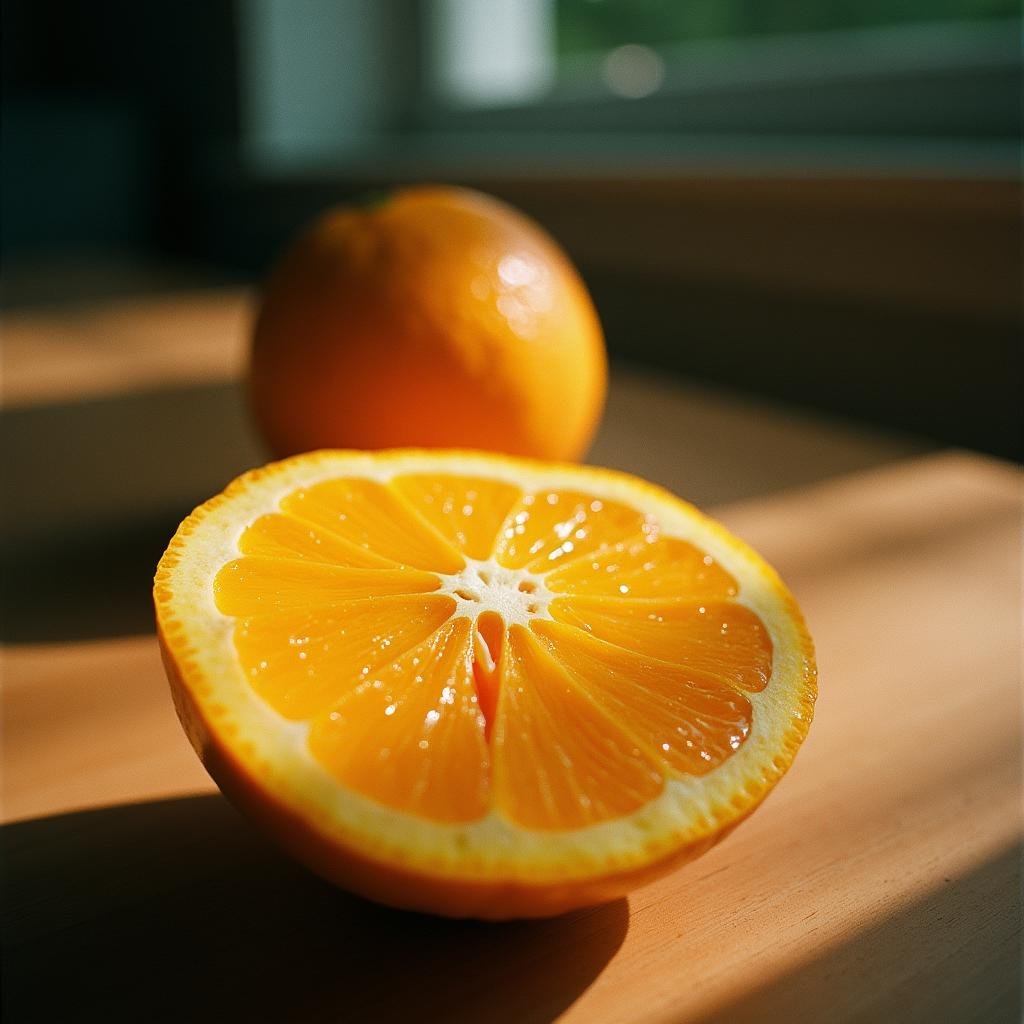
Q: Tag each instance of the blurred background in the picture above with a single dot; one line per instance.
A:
(800, 222)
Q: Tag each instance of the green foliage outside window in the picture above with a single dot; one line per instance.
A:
(588, 25)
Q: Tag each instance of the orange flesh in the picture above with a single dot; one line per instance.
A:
(637, 671)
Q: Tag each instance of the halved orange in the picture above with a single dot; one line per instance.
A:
(477, 685)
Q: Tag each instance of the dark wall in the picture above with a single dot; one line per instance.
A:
(111, 112)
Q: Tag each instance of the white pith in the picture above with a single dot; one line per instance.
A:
(517, 595)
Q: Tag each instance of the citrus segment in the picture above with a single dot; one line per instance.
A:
(688, 721)
(301, 661)
(552, 526)
(646, 565)
(411, 734)
(280, 536)
(478, 685)
(559, 761)
(468, 511)
(719, 638)
(373, 517)
(256, 584)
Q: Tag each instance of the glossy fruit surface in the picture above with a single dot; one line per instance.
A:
(435, 317)
(477, 685)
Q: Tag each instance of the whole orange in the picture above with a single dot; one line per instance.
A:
(438, 317)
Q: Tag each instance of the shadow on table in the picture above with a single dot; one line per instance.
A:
(93, 491)
(952, 956)
(175, 910)
(95, 584)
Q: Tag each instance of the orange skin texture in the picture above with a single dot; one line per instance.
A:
(440, 317)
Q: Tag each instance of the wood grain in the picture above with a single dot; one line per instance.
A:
(879, 882)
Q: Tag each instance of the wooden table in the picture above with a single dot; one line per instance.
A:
(879, 882)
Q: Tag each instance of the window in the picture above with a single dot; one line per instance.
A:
(920, 69)
(575, 80)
